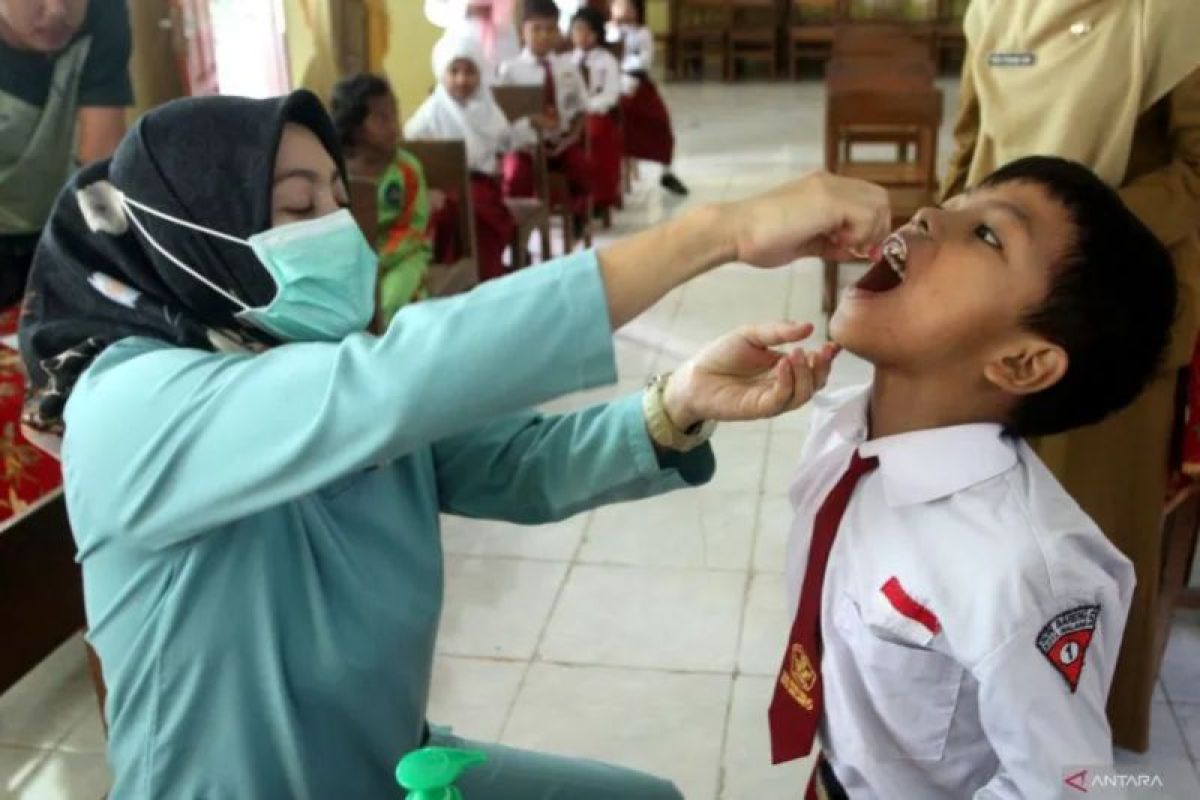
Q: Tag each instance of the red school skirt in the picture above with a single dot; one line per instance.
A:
(648, 133)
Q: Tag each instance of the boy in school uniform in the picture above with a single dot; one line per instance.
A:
(957, 615)
(566, 101)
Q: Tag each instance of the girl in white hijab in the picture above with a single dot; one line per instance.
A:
(462, 108)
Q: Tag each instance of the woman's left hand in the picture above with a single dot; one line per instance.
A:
(740, 376)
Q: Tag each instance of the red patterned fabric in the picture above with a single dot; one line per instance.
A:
(27, 473)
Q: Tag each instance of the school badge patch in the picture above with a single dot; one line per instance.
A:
(1064, 641)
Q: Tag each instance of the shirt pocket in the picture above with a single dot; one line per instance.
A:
(909, 689)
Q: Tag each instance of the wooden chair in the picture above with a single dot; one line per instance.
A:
(531, 213)
(700, 29)
(364, 207)
(551, 187)
(910, 184)
(879, 74)
(445, 165)
(41, 589)
(879, 58)
(810, 27)
(754, 36)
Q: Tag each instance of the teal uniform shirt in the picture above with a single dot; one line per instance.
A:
(259, 533)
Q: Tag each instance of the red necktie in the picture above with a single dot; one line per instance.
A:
(549, 92)
(797, 703)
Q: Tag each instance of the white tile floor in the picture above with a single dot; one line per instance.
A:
(657, 625)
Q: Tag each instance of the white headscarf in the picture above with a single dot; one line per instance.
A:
(479, 122)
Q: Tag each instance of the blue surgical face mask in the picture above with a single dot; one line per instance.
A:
(324, 273)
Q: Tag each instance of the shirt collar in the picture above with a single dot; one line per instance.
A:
(923, 466)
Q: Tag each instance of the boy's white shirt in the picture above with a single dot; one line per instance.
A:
(603, 78)
(974, 528)
(570, 93)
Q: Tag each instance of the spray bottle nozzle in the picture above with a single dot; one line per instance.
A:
(430, 773)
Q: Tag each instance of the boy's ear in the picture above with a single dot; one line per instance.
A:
(1028, 365)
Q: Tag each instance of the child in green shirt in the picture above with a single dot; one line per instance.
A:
(368, 122)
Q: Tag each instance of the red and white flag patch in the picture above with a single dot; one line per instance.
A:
(1064, 641)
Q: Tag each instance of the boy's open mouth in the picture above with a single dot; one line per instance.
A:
(888, 271)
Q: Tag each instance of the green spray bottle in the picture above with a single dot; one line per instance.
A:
(430, 773)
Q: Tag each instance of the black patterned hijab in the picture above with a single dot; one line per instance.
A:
(206, 160)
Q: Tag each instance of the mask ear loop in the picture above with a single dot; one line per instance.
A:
(131, 204)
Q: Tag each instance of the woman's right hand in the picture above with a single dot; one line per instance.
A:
(818, 215)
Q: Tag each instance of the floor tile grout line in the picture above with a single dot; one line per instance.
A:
(730, 672)
(749, 583)
(537, 645)
(1187, 746)
(32, 748)
(616, 564)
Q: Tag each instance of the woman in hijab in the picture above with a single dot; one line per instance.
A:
(1114, 84)
(254, 482)
(462, 108)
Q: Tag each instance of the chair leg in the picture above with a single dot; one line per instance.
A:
(568, 225)
(544, 236)
(587, 223)
(520, 250)
(830, 289)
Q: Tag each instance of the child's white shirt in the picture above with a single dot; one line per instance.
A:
(602, 74)
(971, 613)
(570, 93)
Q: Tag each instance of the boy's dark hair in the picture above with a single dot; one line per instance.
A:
(594, 19)
(351, 103)
(540, 9)
(1110, 305)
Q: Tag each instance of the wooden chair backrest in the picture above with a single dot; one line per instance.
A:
(518, 102)
(879, 73)
(921, 111)
(703, 15)
(364, 207)
(816, 12)
(878, 41)
(445, 165)
(893, 10)
(755, 13)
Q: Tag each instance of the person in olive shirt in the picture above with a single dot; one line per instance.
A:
(64, 86)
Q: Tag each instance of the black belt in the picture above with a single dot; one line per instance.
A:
(829, 782)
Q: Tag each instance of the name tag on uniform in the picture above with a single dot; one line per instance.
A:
(1011, 59)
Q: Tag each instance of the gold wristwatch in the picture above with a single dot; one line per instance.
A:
(662, 430)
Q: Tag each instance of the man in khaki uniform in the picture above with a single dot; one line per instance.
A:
(1114, 84)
